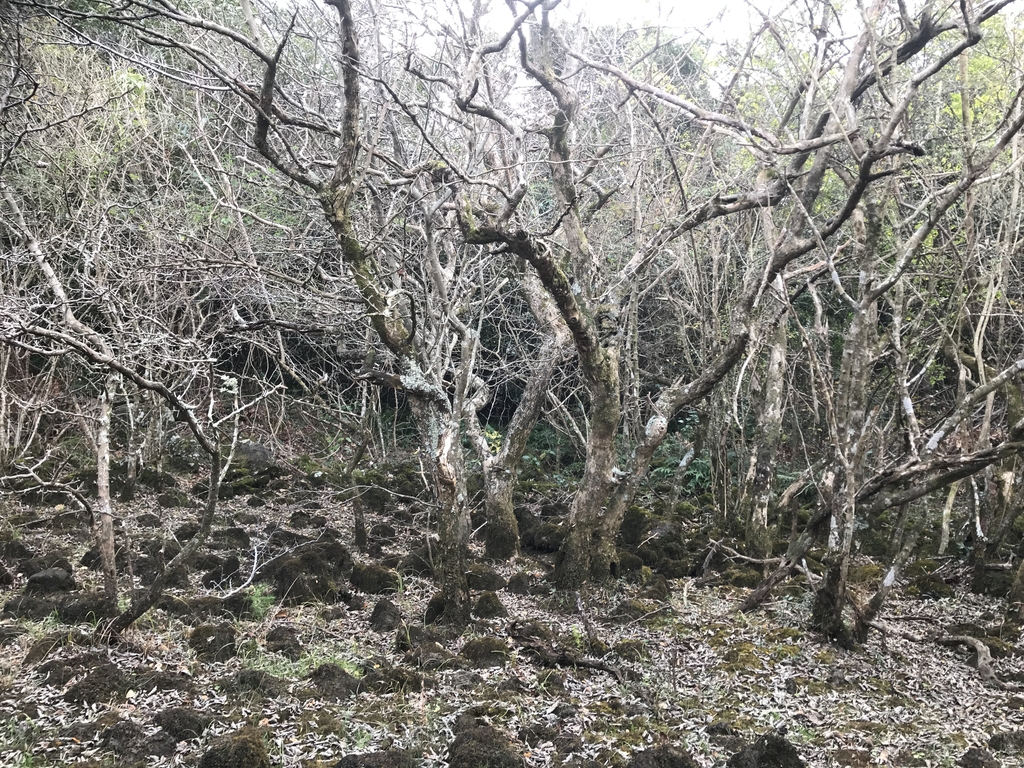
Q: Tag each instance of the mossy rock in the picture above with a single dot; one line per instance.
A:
(769, 751)
(635, 523)
(244, 749)
(482, 746)
(486, 652)
(866, 574)
(665, 756)
(213, 642)
(929, 586)
(183, 723)
(375, 579)
(741, 657)
(482, 577)
(632, 650)
(744, 577)
(489, 606)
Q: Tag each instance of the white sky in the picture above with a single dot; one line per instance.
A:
(730, 18)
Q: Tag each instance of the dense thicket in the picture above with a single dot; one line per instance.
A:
(779, 276)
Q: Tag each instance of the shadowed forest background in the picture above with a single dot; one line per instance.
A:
(482, 289)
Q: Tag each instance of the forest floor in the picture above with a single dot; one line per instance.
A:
(586, 682)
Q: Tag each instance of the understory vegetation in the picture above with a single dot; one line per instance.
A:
(476, 384)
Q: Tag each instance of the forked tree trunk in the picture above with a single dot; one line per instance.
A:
(501, 471)
(445, 464)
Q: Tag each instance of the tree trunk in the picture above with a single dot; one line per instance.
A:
(850, 427)
(103, 521)
(501, 535)
(501, 472)
(755, 497)
(445, 464)
(589, 548)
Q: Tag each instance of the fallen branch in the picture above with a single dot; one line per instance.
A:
(548, 656)
(982, 659)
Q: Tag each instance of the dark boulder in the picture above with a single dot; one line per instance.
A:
(50, 581)
(182, 723)
(333, 682)
(213, 642)
(481, 577)
(385, 616)
(665, 756)
(285, 641)
(769, 751)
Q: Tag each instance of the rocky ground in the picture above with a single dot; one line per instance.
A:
(285, 646)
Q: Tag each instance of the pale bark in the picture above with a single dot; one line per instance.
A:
(103, 514)
(756, 493)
